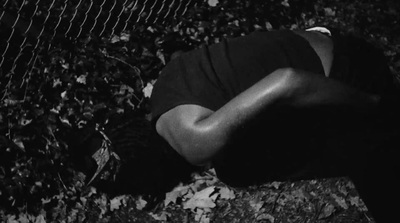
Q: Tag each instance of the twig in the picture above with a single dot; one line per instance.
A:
(276, 201)
(8, 85)
(62, 182)
(129, 65)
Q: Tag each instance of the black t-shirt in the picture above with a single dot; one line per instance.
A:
(213, 75)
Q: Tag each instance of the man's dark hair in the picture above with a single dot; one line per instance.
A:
(148, 166)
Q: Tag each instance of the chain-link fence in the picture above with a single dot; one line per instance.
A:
(29, 28)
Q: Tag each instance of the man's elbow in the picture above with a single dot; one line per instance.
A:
(196, 160)
(294, 84)
(195, 155)
(199, 153)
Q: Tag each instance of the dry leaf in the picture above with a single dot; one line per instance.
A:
(140, 203)
(102, 204)
(101, 157)
(116, 202)
(263, 217)
(172, 196)
(213, 3)
(285, 3)
(356, 201)
(226, 193)
(19, 143)
(11, 219)
(125, 37)
(256, 204)
(161, 56)
(276, 184)
(340, 201)
(23, 218)
(329, 12)
(115, 39)
(148, 90)
(201, 199)
(163, 216)
(40, 219)
(202, 216)
(65, 66)
(81, 79)
(327, 211)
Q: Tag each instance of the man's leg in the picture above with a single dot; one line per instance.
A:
(379, 185)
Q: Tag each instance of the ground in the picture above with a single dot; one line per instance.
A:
(205, 198)
(323, 200)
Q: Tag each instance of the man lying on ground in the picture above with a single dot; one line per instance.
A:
(275, 105)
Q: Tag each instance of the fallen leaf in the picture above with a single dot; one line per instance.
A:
(357, 202)
(102, 204)
(148, 90)
(276, 184)
(173, 195)
(340, 201)
(11, 219)
(81, 79)
(201, 199)
(299, 195)
(329, 12)
(163, 216)
(140, 203)
(269, 26)
(213, 3)
(125, 37)
(64, 95)
(161, 56)
(102, 156)
(40, 219)
(285, 3)
(115, 39)
(25, 121)
(226, 193)
(205, 218)
(19, 143)
(256, 204)
(72, 215)
(263, 217)
(65, 66)
(23, 218)
(350, 185)
(116, 202)
(199, 203)
(327, 211)
(92, 191)
(202, 215)
(199, 213)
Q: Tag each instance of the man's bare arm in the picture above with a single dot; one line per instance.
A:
(198, 133)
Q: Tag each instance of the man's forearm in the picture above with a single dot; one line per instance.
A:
(290, 88)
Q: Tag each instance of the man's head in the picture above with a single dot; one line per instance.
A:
(147, 165)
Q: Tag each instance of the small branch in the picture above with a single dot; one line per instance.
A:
(129, 65)
(8, 85)
(62, 182)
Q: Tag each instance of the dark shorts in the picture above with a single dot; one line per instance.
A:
(310, 143)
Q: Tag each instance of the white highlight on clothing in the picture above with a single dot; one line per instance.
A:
(321, 30)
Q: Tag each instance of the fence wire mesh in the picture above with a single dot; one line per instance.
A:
(31, 27)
